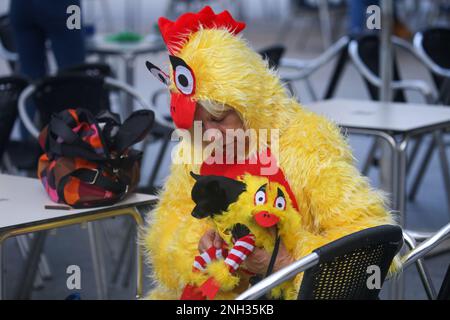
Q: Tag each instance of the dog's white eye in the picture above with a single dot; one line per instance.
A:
(260, 195)
(280, 203)
(183, 76)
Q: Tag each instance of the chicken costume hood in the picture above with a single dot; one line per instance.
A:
(210, 61)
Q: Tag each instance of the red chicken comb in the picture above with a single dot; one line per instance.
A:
(176, 32)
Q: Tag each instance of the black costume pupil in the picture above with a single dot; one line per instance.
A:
(260, 198)
(161, 77)
(183, 80)
(279, 205)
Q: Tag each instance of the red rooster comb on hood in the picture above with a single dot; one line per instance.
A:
(175, 33)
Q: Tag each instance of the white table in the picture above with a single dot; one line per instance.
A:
(396, 123)
(22, 211)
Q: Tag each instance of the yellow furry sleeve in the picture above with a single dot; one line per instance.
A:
(334, 199)
(172, 236)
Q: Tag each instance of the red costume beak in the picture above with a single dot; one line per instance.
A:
(182, 109)
(266, 219)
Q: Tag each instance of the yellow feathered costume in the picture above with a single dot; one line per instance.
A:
(333, 198)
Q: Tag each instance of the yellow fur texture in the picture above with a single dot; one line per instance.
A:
(334, 199)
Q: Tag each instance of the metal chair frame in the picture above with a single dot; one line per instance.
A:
(414, 256)
(445, 74)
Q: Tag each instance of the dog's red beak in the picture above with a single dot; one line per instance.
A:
(182, 109)
(266, 219)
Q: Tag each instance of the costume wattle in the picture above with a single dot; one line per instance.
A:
(332, 197)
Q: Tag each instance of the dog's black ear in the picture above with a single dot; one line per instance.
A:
(195, 176)
(213, 194)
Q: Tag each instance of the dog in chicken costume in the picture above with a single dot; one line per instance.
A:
(211, 62)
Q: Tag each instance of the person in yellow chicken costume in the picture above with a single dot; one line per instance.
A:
(218, 79)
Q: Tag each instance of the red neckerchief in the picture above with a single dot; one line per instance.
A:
(236, 170)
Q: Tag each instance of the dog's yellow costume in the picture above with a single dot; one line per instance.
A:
(333, 198)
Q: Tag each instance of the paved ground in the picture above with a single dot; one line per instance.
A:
(70, 245)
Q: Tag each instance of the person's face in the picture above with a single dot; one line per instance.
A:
(228, 120)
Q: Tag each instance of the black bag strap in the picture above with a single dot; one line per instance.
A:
(72, 145)
(109, 123)
(95, 177)
(134, 129)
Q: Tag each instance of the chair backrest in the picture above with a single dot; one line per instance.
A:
(60, 92)
(6, 37)
(368, 50)
(344, 265)
(90, 69)
(436, 45)
(273, 55)
(10, 89)
(444, 292)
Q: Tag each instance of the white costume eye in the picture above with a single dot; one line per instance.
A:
(280, 201)
(260, 195)
(183, 76)
(158, 73)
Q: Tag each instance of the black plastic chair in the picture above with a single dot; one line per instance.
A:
(10, 89)
(340, 269)
(8, 47)
(433, 47)
(79, 86)
(444, 292)
(57, 93)
(90, 69)
(273, 55)
(369, 51)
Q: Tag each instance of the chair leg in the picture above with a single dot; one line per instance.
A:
(423, 167)
(370, 157)
(131, 259)
(38, 283)
(162, 153)
(414, 151)
(44, 267)
(123, 251)
(337, 73)
(98, 263)
(31, 266)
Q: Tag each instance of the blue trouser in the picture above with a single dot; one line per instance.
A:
(35, 21)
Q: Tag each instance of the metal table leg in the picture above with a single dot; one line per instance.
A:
(98, 262)
(398, 171)
(31, 266)
(399, 205)
(129, 79)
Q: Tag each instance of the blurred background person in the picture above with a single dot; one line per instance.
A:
(36, 21)
(357, 15)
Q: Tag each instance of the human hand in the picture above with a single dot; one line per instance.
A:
(209, 239)
(258, 261)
